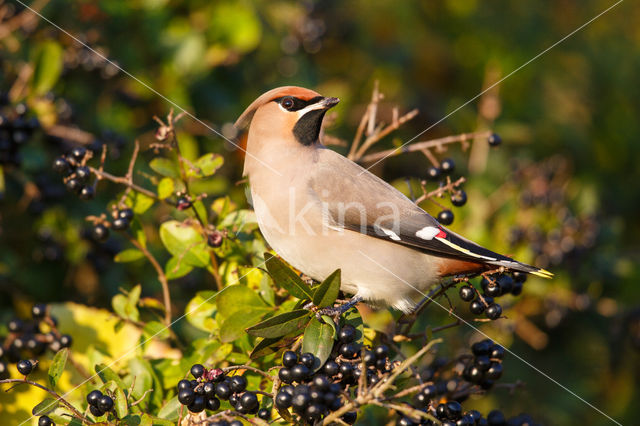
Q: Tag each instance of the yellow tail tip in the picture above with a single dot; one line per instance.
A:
(543, 273)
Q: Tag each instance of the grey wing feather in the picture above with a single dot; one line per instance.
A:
(359, 201)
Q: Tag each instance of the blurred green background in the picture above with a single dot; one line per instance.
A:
(562, 191)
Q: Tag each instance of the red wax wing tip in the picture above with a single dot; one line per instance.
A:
(441, 234)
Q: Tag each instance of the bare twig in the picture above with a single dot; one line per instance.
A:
(419, 146)
(161, 277)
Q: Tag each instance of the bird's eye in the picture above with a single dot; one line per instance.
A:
(287, 103)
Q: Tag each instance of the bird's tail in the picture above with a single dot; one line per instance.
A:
(522, 267)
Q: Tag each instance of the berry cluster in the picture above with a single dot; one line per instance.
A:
(99, 404)
(121, 220)
(212, 385)
(486, 365)
(492, 287)
(15, 130)
(76, 174)
(26, 340)
(443, 391)
(313, 395)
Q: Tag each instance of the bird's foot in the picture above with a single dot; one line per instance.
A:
(337, 311)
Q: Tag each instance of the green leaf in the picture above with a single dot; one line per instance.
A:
(46, 406)
(165, 188)
(175, 269)
(156, 330)
(201, 310)
(48, 66)
(318, 339)
(138, 232)
(124, 308)
(164, 167)
(171, 410)
(121, 403)
(183, 241)
(235, 325)
(281, 325)
(57, 367)
(140, 203)
(106, 374)
(209, 163)
(283, 276)
(327, 292)
(128, 255)
(267, 346)
(237, 297)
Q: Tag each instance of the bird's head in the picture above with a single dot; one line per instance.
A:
(287, 112)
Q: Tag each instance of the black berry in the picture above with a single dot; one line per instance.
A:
(349, 350)
(126, 214)
(285, 375)
(381, 351)
(78, 153)
(264, 414)
(83, 173)
(24, 366)
(186, 396)
(494, 139)
(197, 370)
(61, 165)
(73, 184)
(100, 233)
(447, 166)
(476, 307)
(347, 333)
(494, 372)
(105, 403)
(249, 401)
(331, 368)
(238, 383)
(467, 293)
(223, 390)
(120, 224)
(197, 405)
(289, 359)
(445, 217)
(308, 359)
(45, 421)
(299, 372)
(213, 404)
(184, 384)
(87, 192)
(93, 397)
(96, 411)
(39, 310)
(283, 400)
(459, 198)
(497, 352)
(433, 172)
(494, 311)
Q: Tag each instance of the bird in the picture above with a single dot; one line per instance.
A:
(320, 211)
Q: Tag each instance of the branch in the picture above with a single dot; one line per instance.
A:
(52, 393)
(419, 146)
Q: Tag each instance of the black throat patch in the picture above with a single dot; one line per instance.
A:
(307, 129)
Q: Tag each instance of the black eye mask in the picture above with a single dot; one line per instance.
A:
(298, 103)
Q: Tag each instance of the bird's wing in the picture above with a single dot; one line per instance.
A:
(356, 200)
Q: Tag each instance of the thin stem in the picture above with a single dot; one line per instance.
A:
(161, 277)
(247, 367)
(52, 393)
(123, 180)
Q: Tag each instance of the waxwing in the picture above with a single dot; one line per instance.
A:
(321, 211)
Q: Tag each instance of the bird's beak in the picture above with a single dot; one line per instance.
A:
(327, 103)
